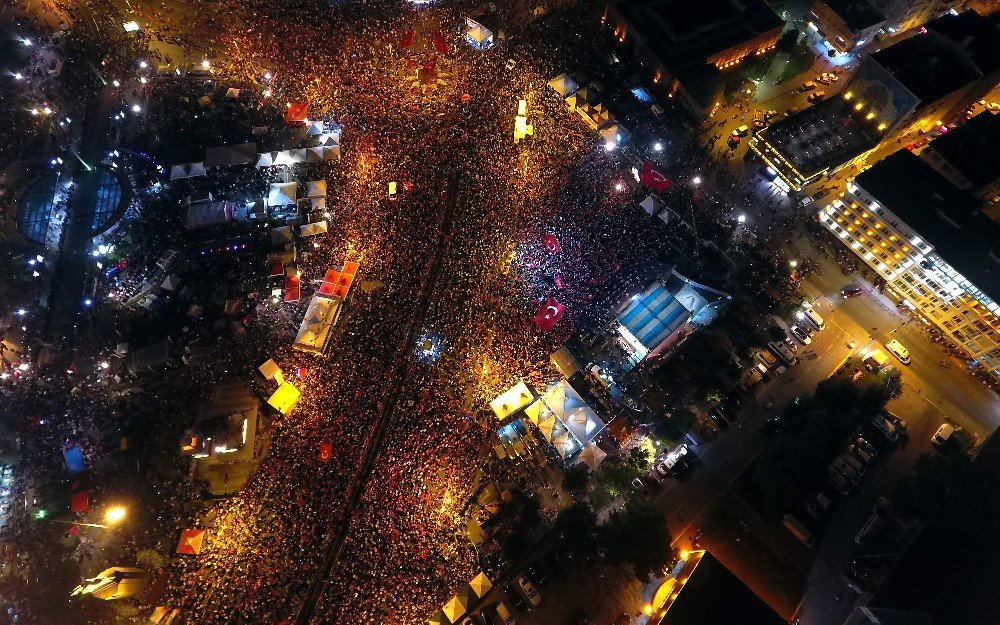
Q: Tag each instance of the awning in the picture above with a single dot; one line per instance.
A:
(456, 607)
(592, 455)
(269, 369)
(316, 188)
(480, 584)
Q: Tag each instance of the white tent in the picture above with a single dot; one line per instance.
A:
(265, 159)
(281, 235)
(187, 170)
(316, 188)
(331, 152)
(592, 455)
(171, 282)
(282, 193)
(314, 330)
(313, 229)
(566, 445)
(269, 369)
(233, 93)
(651, 205)
(548, 427)
(317, 203)
(314, 128)
(564, 85)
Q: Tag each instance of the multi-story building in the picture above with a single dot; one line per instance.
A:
(845, 24)
(938, 254)
(903, 15)
(963, 156)
(917, 85)
(687, 45)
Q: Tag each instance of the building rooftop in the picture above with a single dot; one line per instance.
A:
(966, 148)
(978, 35)
(930, 67)
(857, 14)
(945, 217)
(822, 136)
(712, 595)
(683, 34)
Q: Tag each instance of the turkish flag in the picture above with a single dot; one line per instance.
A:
(325, 452)
(407, 39)
(551, 244)
(559, 282)
(549, 314)
(654, 178)
(440, 43)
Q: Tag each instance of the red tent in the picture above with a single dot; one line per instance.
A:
(297, 112)
(549, 313)
(654, 178)
(551, 244)
(325, 452)
(80, 502)
(293, 287)
(191, 542)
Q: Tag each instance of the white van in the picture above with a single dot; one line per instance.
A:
(943, 435)
(798, 530)
(781, 351)
(814, 318)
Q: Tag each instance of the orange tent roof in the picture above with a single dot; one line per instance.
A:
(351, 268)
(191, 542)
(297, 112)
(80, 502)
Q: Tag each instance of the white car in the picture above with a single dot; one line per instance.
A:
(528, 590)
(800, 335)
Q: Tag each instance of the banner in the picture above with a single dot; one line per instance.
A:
(325, 452)
(440, 43)
(549, 314)
(551, 244)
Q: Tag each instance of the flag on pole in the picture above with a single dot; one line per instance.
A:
(551, 244)
(654, 178)
(325, 452)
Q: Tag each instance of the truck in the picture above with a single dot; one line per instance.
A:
(876, 360)
(798, 530)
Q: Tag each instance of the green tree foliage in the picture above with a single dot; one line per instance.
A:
(575, 530)
(638, 535)
(575, 478)
(149, 560)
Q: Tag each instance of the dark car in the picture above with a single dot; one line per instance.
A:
(851, 290)
(716, 416)
(859, 577)
(772, 425)
(518, 601)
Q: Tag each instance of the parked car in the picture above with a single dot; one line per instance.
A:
(896, 421)
(640, 487)
(885, 428)
(473, 619)
(837, 481)
(851, 290)
(716, 416)
(499, 614)
(800, 335)
(527, 589)
(808, 86)
(798, 530)
(875, 523)
(742, 131)
(816, 96)
(813, 317)
(862, 443)
(859, 577)
(860, 454)
(854, 463)
(673, 462)
(846, 470)
(818, 505)
(943, 434)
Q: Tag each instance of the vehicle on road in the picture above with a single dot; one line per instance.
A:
(851, 290)
(642, 489)
(742, 131)
(499, 614)
(862, 443)
(854, 463)
(943, 434)
(885, 427)
(810, 314)
(527, 589)
(673, 462)
(859, 453)
(733, 140)
(896, 349)
(816, 96)
(800, 335)
(896, 421)
(876, 360)
(806, 201)
(808, 86)
(798, 530)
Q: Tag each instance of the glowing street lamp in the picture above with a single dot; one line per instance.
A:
(741, 219)
(115, 515)
(696, 180)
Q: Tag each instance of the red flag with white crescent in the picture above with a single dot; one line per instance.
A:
(325, 452)
(654, 178)
(551, 244)
(440, 43)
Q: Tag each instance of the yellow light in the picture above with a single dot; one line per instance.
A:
(115, 514)
(685, 554)
(859, 106)
(870, 115)
(882, 126)
(647, 609)
(848, 95)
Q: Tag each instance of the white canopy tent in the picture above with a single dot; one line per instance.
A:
(282, 193)
(651, 205)
(315, 328)
(313, 229)
(187, 170)
(281, 235)
(592, 455)
(265, 159)
(314, 128)
(564, 85)
(316, 188)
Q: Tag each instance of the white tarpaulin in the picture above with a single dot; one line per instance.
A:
(316, 188)
(313, 229)
(564, 85)
(187, 170)
(566, 445)
(651, 205)
(282, 193)
(210, 214)
(314, 330)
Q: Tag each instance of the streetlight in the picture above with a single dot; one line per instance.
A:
(115, 515)
(741, 219)
(658, 146)
(793, 264)
(696, 180)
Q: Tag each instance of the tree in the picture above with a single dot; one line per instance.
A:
(149, 559)
(788, 40)
(576, 529)
(638, 535)
(575, 478)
